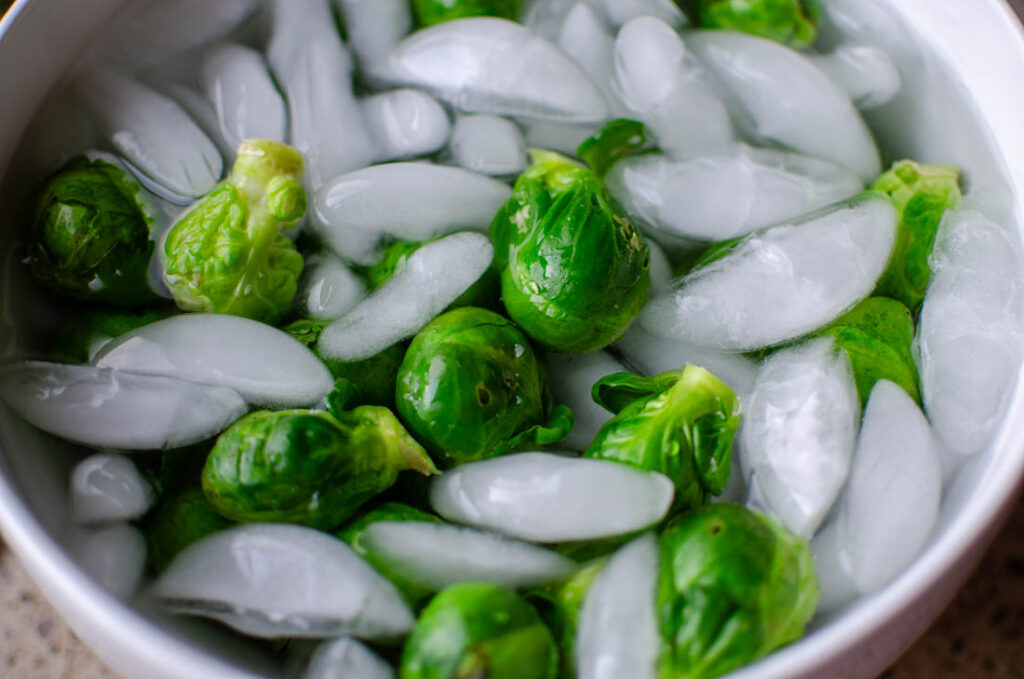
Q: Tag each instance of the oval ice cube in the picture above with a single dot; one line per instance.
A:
(571, 377)
(107, 408)
(114, 556)
(346, 658)
(374, 28)
(866, 73)
(108, 487)
(780, 97)
(618, 626)
(279, 580)
(265, 365)
(489, 145)
(619, 12)
(236, 80)
(542, 497)
(405, 201)
(660, 268)
(729, 194)
(406, 123)
(329, 289)
(799, 432)
(413, 296)
(590, 43)
(781, 282)
(488, 65)
(437, 555)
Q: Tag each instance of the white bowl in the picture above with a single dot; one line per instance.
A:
(964, 108)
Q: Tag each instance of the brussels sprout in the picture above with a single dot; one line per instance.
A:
(734, 585)
(681, 424)
(479, 630)
(921, 193)
(227, 253)
(574, 269)
(179, 521)
(354, 532)
(308, 467)
(613, 142)
(470, 388)
(559, 608)
(370, 381)
(791, 22)
(90, 235)
(877, 335)
(83, 337)
(430, 12)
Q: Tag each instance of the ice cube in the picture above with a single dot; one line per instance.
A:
(107, 408)
(571, 377)
(152, 132)
(620, 12)
(406, 123)
(114, 556)
(832, 564)
(729, 194)
(408, 201)
(202, 113)
(778, 96)
(618, 626)
(346, 658)
(329, 289)
(236, 80)
(891, 501)
(867, 73)
(546, 18)
(108, 487)
(554, 136)
(660, 269)
(542, 497)
(374, 28)
(413, 296)
(488, 65)
(278, 580)
(589, 42)
(782, 282)
(437, 555)
(970, 332)
(868, 22)
(489, 145)
(799, 432)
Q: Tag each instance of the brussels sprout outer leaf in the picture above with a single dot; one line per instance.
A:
(684, 431)
(616, 391)
(791, 22)
(734, 585)
(558, 426)
(559, 607)
(877, 335)
(431, 12)
(178, 521)
(922, 194)
(613, 142)
(479, 630)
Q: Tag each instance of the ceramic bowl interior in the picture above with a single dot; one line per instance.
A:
(962, 105)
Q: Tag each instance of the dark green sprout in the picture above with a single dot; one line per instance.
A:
(791, 22)
(559, 607)
(613, 142)
(431, 12)
(81, 339)
(178, 521)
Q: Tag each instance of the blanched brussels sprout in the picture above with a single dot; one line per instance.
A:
(85, 335)
(90, 235)
(470, 388)
(560, 607)
(613, 142)
(430, 12)
(921, 193)
(227, 253)
(877, 335)
(479, 630)
(308, 467)
(574, 269)
(791, 22)
(681, 424)
(734, 585)
(180, 520)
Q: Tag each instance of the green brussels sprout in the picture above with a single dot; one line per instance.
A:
(370, 381)
(559, 607)
(81, 339)
(921, 193)
(734, 585)
(681, 424)
(90, 235)
(308, 467)
(470, 388)
(431, 12)
(613, 142)
(355, 531)
(791, 22)
(227, 253)
(479, 630)
(178, 521)
(877, 335)
(574, 269)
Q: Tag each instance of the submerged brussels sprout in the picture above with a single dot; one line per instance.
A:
(613, 142)
(734, 586)
(179, 521)
(681, 424)
(479, 630)
(791, 22)
(308, 467)
(574, 269)
(82, 338)
(470, 388)
(430, 12)
(90, 235)
(227, 253)
(560, 608)
(877, 335)
(921, 193)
